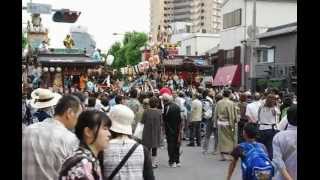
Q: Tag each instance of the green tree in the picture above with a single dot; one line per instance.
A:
(129, 52)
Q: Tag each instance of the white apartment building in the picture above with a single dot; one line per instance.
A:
(204, 15)
(237, 17)
(197, 44)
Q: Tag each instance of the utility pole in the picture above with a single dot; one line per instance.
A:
(253, 48)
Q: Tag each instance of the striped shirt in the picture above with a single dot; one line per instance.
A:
(45, 146)
(114, 153)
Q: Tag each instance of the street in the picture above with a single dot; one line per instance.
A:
(195, 166)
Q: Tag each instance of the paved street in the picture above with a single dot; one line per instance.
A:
(195, 166)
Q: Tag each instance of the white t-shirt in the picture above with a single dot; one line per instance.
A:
(268, 116)
(252, 111)
(283, 123)
(98, 105)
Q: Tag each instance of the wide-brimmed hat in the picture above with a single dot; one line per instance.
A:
(43, 98)
(122, 118)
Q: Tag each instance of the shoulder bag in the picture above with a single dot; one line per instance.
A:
(123, 161)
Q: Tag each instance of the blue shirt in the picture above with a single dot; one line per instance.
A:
(112, 102)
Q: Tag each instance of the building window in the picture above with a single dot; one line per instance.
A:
(202, 10)
(232, 19)
(202, 4)
(266, 55)
(229, 56)
(202, 17)
(202, 24)
(188, 28)
(188, 50)
(204, 31)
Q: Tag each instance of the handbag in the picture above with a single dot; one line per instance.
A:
(139, 130)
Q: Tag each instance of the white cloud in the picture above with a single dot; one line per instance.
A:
(102, 17)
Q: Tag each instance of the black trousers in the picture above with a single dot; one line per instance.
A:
(265, 137)
(153, 151)
(241, 125)
(173, 149)
(195, 132)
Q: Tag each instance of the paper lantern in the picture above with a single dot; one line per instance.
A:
(122, 70)
(45, 69)
(110, 59)
(51, 69)
(59, 69)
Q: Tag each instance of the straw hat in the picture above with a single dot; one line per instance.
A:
(43, 98)
(122, 117)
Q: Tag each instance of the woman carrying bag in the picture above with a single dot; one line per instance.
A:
(124, 158)
(92, 130)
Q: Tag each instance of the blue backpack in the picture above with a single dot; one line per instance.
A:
(255, 163)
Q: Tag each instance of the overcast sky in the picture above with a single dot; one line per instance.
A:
(101, 17)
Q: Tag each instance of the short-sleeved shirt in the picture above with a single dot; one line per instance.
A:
(252, 111)
(45, 145)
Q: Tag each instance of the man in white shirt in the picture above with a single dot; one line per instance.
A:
(252, 108)
(196, 117)
(45, 145)
(285, 148)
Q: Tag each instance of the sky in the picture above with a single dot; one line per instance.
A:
(101, 17)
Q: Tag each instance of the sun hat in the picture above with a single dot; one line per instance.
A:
(122, 117)
(43, 98)
(167, 97)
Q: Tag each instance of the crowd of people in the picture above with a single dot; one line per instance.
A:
(90, 135)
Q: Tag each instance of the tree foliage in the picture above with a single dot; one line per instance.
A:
(128, 53)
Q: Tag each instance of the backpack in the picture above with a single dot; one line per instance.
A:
(71, 162)
(255, 163)
(206, 109)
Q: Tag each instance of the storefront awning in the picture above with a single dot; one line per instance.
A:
(228, 75)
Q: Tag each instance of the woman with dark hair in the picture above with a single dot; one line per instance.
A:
(151, 119)
(92, 130)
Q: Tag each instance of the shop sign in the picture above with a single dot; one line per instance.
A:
(246, 68)
(173, 62)
(66, 51)
(200, 62)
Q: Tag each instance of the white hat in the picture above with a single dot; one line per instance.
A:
(247, 93)
(43, 98)
(167, 97)
(122, 117)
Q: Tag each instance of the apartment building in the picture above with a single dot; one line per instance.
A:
(235, 33)
(203, 15)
